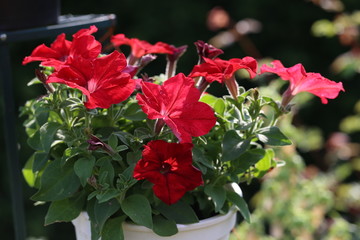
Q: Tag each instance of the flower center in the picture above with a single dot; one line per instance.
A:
(165, 168)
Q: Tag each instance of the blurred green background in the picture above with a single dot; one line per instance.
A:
(275, 29)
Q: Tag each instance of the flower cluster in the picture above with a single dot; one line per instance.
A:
(125, 146)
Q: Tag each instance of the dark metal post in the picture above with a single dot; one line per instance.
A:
(67, 24)
(11, 144)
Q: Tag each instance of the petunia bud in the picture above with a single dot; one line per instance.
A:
(207, 50)
(95, 143)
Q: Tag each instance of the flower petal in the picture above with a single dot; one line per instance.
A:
(179, 177)
(177, 103)
(301, 81)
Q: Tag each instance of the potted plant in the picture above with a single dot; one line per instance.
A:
(120, 147)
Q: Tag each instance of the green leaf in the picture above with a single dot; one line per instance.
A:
(47, 134)
(240, 99)
(113, 229)
(106, 172)
(164, 227)
(180, 212)
(138, 208)
(134, 113)
(201, 160)
(65, 210)
(57, 182)
(102, 212)
(113, 141)
(34, 81)
(233, 146)
(263, 166)
(240, 203)
(133, 142)
(273, 136)
(142, 133)
(34, 141)
(124, 137)
(133, 157)
(107, 194)
(83, 168)
(245, 125)
(271, 102)
(208, 99)
(248, 159)
(217, 194)
(41, 115)
(40, 159)
(219, 106)
(90, 209)
(31, 178)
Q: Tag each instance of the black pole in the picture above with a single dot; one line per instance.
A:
(66, 24)
(11, 144)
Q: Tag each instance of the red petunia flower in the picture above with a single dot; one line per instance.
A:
(83, 45)
(223, 71)
(301, 81)
(169, 167)
(176, 102)
(100, 79)
(140, 48)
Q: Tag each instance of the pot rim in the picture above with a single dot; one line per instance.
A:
(207, 222)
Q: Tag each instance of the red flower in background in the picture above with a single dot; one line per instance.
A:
(223, 71)
(83, 45)
(100, 79)
(169, 167)
(176, 102)
(140, 48)
(301, 81)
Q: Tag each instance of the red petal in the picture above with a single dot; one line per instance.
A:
(196, 119)
(319, 86)
(172, 185)
(301, 81)
(119, 39)
(101, 80)
(83, 32)
(150, 101)
(176, 102)
(86, 47)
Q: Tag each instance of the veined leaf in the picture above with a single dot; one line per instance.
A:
(180, 212)
(263, 166)
(40, 159)
(57, 182)
(240, 203)
(113, 229)
(138, 208)
(103, 211)
(83, 168)
(164, 227)
(233, 146)
(47, 134)
(217, 194)
(65, 210)
(248, 159)
(273, 136)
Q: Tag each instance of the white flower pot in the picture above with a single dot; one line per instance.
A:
(214, 228)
